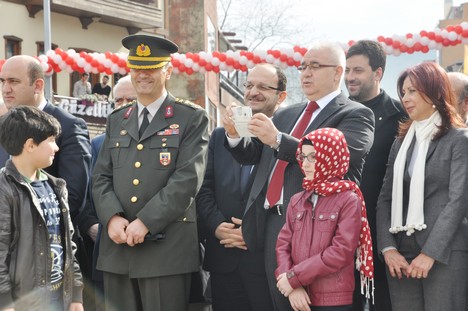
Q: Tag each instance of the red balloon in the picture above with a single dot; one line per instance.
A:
(409, 35)
(236, 66)
(465, 33)
(244, 68)
(189, 71)
(381, 38)
(389, 41)
(209, 67)
(350, 43)
(257, 59)
(101, 68)
(94, 63)
(431, 35)
(423, 33)
(449, 28)
(175, 62)
(458, 29)
(216, 69)
(182, 68)
(70, 61)
(403, 48)
(445, 42)
(276, 54)
(188, 55)
(417, 46)
(249, 55)
(108, 71)
(290, 62)
(396, 44)
(202, 62)
(222, 57)
(114, 58)
(283, 58)
(425, 49)
(438, 38)
(108, 55)
(410, 51)
(196, 58)
(229, 61)
(122, 63)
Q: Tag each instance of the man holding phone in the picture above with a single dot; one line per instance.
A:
(238, 279)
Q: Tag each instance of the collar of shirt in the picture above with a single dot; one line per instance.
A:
(152, 108)
(323, 102)
(42, 105)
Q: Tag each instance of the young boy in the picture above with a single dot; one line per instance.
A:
(325, 224)
(38, 269)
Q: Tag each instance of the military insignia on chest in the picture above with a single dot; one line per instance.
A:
(165, 158)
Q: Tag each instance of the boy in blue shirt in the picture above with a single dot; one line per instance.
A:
(38, 269)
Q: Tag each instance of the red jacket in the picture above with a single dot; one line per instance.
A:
(316, 247)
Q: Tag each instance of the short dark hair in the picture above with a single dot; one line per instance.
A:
(24, 122)
(282, 80)
(35, 72)
(106, 76)
(85, 74)
(372, 50)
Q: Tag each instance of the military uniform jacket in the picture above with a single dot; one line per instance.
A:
(155, 179)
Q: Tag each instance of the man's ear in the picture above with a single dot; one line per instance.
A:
(38, 86)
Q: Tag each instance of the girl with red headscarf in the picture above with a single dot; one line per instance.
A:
(325, 225)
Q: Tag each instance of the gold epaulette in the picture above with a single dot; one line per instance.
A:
(187, 103)
(123, 106)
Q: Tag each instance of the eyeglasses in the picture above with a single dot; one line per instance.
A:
(310, 157)
(120, 100)
(260, 86)
(313, 66)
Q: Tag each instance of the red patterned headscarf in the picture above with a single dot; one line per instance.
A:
(332, 163)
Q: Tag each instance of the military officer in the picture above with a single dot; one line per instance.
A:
(147, 174)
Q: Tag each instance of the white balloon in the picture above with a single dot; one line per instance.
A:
(43, 58)
(57, 59)
(250, 64)
(88, 68)
(452, 36)
(262, 54)
(81, 62)
(432, 45)
(270, 58)
(71, 52)
(409, 42)
(215, 61)
(416, 37)
(50, 53)
(122, 71)
(196, 67)
(69, 69)
(243, 60)
(188, 63)
(222, 66)
(464, 25)
(107, 63)
(115, 68)
(297, 57)
(444, 33)
(425, 40)
(396, 52)
(62, 65)
(229, 53)
(202, 70)
(175, 70)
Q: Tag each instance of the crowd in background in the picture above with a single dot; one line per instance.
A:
(331, 204)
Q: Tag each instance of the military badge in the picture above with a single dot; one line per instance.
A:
(143, 50)
(128, 112)
(165, 158)
(174, 126)
(169, 112)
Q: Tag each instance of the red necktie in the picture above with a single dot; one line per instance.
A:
(276, 182)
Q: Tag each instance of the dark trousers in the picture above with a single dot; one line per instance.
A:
(273, 226)
(445, 288)
(240, 290)
(166, 293)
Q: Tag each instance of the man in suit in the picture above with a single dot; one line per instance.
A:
(322, 72)
(238, 280)
(148, 172)
(365, 65)
(459, 82)
(22, 81)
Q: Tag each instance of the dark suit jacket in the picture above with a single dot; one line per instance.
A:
(445, 198)
(153, 178)
(388, 112)
(218, 200)
(353, 119)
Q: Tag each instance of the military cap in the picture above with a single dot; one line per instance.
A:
(148, 52)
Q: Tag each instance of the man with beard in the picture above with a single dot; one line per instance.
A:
(238, 280)
(365, 65)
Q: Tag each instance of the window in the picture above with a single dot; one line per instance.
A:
(12, 46)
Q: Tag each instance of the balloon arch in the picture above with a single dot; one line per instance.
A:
(59, 60)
